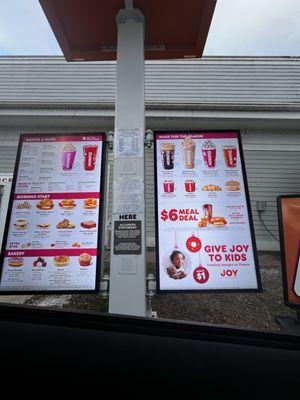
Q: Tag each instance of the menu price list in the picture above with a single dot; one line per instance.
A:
(50, 270)
(54, 212)
(51, 220)
(202, 205)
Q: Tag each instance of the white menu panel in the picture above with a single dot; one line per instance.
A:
(205, 235)
(52, 234)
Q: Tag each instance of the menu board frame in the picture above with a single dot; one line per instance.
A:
(287, 291)
(250, 218)
(99, 262)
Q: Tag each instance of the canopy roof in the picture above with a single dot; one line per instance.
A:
(86, 30)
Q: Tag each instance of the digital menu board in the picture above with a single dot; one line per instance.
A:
(289, 230)
(52, 239)
(204, 230)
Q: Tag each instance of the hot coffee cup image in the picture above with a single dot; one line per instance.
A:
(167, 151)
(89, 157)
(168, 186)
(188, 153)
(68, 156)
(230, 155)
(209, 154)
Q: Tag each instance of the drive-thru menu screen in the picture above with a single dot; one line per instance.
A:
(52, 239)
(289, 229)
(204, 230)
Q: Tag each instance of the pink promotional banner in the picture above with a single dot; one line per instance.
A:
(53, 233)
(204, 229)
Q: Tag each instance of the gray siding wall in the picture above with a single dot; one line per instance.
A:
(270, 174)
(273, 168)
(210, 80)
(7, 158)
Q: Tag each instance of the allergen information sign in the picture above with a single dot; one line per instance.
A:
(52, 240)
(127, 235)
(204, 229)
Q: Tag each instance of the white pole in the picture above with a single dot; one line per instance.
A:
(128, 256)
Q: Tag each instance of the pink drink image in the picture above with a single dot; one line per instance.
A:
(89, 157)
(190, 186)
(168, 186)
(68, 156)
(209, 154)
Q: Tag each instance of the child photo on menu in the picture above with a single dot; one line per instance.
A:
(176, 269)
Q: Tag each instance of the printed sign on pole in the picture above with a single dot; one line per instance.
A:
(204, 229)
(289, 229)
(5, 178)
(53, 233)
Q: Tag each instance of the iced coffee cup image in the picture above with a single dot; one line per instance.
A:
(230, 155)
(68, 156)
(167, 151)
(188, 153)
(89, 157)
(209, 153)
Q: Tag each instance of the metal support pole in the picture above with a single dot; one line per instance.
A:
(128, 250)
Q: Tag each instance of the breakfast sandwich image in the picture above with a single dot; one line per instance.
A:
(45, 204)
(89, 203)
(42, 225)
(218, 221)
(67, 204)
(21, 224)
(65, 224)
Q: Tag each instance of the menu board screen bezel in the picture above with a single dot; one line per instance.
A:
(237, 134)
(101, 186)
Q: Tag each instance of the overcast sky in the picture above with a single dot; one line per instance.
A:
(255, 27)
(239, 27)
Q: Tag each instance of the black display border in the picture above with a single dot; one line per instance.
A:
(296, 271)
(100, 215)
(287, 301)
(251, 225)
